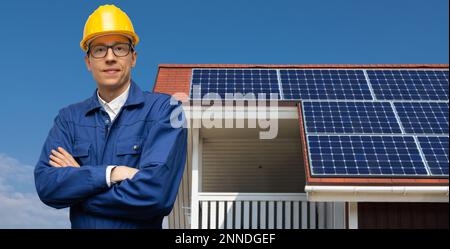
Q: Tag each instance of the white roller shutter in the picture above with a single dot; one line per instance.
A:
(252, 165)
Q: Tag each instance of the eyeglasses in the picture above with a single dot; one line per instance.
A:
(119, 50)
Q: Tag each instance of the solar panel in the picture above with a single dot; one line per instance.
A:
(298, 84)
(435, 150)
(350, 117)
(423, 117)
(409, 84)
(332, 155)
(215, 83)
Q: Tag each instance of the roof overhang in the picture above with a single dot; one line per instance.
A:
(377, 193)
(197, 112)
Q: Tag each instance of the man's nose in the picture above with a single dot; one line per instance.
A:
(110, 57)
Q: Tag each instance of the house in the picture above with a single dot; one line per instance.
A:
(330, 146)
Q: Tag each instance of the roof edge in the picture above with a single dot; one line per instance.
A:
(382, 181)
(303, 66)
(378, 194)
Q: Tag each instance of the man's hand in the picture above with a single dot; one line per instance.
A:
(120, 173)
(62, 158)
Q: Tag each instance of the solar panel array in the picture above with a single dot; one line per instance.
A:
(423, 117)
(249, 83)
(350, 117)
(358, 122)
(324, 84)
(409, 84)
(365, 155)
(435, 150)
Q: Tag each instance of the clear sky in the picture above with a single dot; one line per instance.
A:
(42, 67)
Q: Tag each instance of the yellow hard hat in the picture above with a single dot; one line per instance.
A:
(107, 19)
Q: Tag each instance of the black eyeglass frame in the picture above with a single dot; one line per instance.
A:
(130, 49)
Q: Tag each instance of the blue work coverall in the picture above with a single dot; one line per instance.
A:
(141, 136)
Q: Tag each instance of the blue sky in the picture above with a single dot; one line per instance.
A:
(42, 69)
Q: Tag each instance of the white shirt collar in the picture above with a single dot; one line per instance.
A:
(113, 107)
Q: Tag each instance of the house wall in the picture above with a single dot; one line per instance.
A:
(252, 165)
(403, 215)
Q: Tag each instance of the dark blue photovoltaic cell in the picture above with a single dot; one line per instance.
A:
(365, 156)
(423, 117)
(215, 83)
(298, 84)
(409, 84)
(435, 150)
(350, 117)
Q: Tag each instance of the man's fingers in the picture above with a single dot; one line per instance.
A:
(61, 157)
(64, 152)
(58, 154)
(68, 156)
(58, 161)
(52, 163)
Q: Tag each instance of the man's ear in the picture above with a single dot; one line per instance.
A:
(133, 59)
(88, 63)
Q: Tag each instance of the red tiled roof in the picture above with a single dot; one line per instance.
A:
(173, 81)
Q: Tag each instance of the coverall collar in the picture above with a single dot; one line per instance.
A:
(135, 97)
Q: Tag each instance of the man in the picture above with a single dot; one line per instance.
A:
(116, 159)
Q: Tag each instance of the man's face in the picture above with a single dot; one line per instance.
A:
(111, 71)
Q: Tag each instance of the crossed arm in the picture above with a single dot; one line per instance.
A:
(62, 158)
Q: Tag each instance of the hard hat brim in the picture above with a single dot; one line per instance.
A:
(84, 44)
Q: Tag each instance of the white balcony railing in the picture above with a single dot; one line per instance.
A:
(266, 211)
